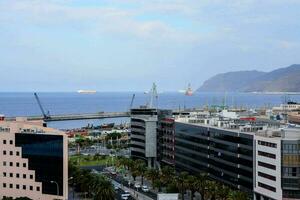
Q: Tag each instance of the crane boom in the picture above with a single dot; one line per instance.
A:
(46, 116)
(131, 103)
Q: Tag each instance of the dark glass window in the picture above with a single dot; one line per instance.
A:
(4, 174)
(10, 174)
(265, 154)
(11, 142)
(267, 165)
(4, 152)
(268, 187)
(261, 174)
(268, 144)
(18, 164)
(11, 164)
(11, 153)
(24, 175)
(24, 187)
(4, 141)
(10, 185)
(45, 156)
(4, 185)
(18, 175)
(18, 186)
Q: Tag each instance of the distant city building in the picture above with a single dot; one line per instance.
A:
(144, 122)
(257, 156)
(34, 161)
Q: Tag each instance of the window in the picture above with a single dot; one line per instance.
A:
(265, 154)
(17, 153)
(11, 164)
(4, 185)
(18, 175)
(11, 153)
(261, 174)
(4, 163)
(18, 164)
(4, 174)
(24, 175)
(11, 142)
(268, 144)
(24, 187)
(10, 185)
(268, 187)
(24, 164)
(31, 187)
(31, 176)
(10, 174)
(266, 165)
(37, 188)
(4, 141)
(18, 186)
(4, 152)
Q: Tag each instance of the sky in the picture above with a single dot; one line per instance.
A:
(126, 45)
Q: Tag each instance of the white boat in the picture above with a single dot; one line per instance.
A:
(86, 91)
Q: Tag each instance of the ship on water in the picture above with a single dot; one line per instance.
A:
(86, 91)
(189, 91)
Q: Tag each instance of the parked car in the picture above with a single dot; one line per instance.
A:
(137, 185)
(125, 195)
(145, 188)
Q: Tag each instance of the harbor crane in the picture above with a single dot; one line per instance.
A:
(45, 115)
(131, 103)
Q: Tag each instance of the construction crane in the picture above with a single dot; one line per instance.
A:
(131, 103)
(45, 115)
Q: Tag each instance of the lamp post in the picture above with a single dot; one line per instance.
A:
(57, 188)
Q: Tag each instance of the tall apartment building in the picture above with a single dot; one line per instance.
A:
(34, 161)
(144, 123)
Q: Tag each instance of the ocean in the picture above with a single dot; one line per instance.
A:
(24, 104)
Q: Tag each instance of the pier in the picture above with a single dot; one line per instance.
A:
(67, 117)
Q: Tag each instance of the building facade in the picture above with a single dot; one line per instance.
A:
(166, 141)
(144, 123)
(226, 155)
(34, 161)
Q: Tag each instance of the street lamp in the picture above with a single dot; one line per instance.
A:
(57, 188)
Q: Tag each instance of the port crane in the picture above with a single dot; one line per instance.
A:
(45, 115)
(131, 103)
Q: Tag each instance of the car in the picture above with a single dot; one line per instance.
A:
(145, 188)
(137, 185)
(125, 195)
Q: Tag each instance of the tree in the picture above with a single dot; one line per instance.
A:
(102, 189)
(141, 169)
(181, 183)
(222, 192)
(152, 175)
(238, 195)
(191, 180)
(200, 184)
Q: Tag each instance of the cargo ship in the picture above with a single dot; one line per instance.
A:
(86, 91)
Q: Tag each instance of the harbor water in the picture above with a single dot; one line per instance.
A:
(24, 104)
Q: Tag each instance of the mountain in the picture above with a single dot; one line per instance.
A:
(280, 80)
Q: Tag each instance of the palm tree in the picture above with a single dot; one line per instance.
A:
(181, 183)
(222, 192)
(152, 175)
(212, 189)
(167, 174)
(200, 184)
(141, 169)
(191, 184)
(103, 189)
(238, 195)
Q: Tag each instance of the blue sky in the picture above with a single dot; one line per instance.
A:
(125, 45)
